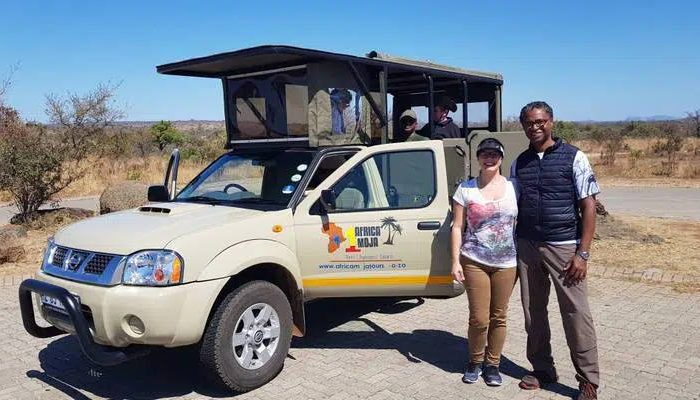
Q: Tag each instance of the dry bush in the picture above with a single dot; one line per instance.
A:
(643, 163)
(610, 141)
(37, 163)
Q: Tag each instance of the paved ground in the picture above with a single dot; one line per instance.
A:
(390, 349)
(653, 201)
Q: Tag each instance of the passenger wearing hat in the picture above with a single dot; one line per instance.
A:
(408, 122)
(484, 258)
(340, 101)
(444, 127)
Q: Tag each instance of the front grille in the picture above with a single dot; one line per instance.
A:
(97, 264)
(84, 266)
(58, 256)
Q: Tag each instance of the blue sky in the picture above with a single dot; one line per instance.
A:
(602, 60)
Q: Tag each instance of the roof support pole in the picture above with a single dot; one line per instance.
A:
(227, 116)
(431, 105)
(465, 109)
(365, 91)
(498, 107)
(383, 76)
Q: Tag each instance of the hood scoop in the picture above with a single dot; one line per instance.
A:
(156, 210)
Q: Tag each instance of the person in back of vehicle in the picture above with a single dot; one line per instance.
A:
(444, 127)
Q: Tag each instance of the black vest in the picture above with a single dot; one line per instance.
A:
(548, 205)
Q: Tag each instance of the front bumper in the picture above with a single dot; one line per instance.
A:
(102, 319)
(98, 354)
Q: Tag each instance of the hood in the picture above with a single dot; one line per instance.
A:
(148, 227)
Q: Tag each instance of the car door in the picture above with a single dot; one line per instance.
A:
(389, 232)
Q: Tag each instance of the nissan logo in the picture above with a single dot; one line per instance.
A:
(74, 262)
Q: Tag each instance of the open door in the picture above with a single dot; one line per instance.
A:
(387, 230)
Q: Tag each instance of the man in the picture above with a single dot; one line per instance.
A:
(444, 127)
(408, 121)
(340, 101)
(556, 222)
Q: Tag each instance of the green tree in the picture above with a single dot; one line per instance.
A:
(164, 134)
(566, 130)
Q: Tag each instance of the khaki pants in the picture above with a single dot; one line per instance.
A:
(488, 290)
(539, 265)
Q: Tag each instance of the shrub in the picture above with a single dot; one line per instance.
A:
(610, 141)
(37, 163)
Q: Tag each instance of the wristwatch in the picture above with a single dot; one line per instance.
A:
(584, 254)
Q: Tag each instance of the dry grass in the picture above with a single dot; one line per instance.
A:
(638, 165)
(642, 243)
(150, 170)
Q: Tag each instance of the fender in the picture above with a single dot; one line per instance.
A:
(248, 253)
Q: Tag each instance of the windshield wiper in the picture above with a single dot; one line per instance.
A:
(204, 199)
(257, 200)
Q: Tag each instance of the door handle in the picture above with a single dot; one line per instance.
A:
(428, 225)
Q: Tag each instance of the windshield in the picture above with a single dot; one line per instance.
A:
(262, 179)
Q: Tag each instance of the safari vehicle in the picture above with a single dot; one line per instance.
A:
(308, 201)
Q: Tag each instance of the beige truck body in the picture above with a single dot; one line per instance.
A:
(218, 243)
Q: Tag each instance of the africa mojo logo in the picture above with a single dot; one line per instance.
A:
(360, 237)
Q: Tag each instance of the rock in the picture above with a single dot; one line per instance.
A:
(123, 196)
(600, 208)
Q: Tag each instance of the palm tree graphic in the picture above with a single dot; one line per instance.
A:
(397, 229)
(390, 224)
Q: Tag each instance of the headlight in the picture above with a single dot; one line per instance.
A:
(49, 252)
(153, 268)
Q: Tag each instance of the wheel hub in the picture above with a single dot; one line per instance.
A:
(256, 336)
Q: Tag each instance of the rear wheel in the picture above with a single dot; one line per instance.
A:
(247, 339)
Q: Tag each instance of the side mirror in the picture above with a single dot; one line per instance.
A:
(328, 199)
(158, 193)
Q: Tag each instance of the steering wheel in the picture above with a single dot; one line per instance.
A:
(235, 185)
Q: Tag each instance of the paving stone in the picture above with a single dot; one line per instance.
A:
(417, 352)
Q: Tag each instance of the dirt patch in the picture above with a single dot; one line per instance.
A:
(26, 250)
(642, 243)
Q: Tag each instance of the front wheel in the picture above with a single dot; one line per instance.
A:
(247, 339)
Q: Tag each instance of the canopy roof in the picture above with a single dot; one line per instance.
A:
(271, 57)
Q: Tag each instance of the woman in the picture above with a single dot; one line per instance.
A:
(484, 258)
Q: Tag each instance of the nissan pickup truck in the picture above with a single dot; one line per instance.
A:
(294, 210)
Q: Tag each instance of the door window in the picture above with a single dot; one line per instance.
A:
(388, 181)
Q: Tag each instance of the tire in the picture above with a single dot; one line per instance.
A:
(250, 362)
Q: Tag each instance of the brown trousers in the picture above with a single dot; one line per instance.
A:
(539, 265)
(488, 290)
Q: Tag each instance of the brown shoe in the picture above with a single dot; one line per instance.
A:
(536, 379)
(588, 391)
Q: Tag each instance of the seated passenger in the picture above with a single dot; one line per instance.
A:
(340, 101)
(408, 121)
(445, 128)
(348, 193)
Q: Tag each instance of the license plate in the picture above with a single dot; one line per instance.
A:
(55, 304)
